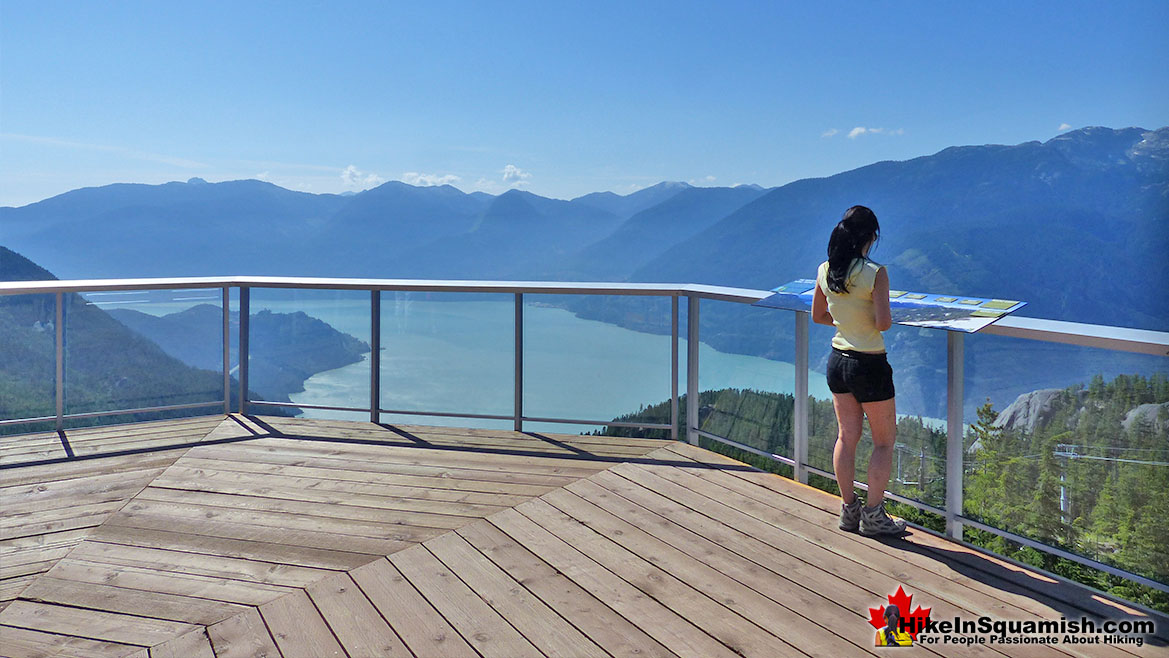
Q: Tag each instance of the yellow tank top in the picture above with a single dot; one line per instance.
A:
(852, 312)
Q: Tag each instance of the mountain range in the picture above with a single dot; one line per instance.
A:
(1077, 226)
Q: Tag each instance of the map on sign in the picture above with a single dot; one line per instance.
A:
(916, 309)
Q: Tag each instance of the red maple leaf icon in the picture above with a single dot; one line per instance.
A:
(911, 622)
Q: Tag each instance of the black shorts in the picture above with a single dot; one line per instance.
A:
(866, 375)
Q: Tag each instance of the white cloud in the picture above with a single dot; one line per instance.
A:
(355, 178)
(830, 132)
(706, 180)
(1065, 126)
(514, 176)
(861, 130)
(427, 180)
(265, 176)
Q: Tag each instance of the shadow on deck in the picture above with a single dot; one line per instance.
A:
(252, 536)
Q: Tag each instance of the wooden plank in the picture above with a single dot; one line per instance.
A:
(14, 457)
(401, 529)
(299, 629)
(736, 582)
(57, 520)
(614, 633)
(91, 446)
(681, 591)
(195, 644)
(343, 514)
(416, 622)
(374, 464)
(860, 580)
(975, 593)
(10, 588)
(301, 547)
(206, 587)
(93, 624)
(661, 623)
(266, 487)
(419, 456)
(476, 439)
(358, 625)
(110, 598)
(294, 468)
(221, 479)
(477, 622)
(19, 565)
(204, 565)
(122, 433)
(12, 547)
(836, 603)
(35, 475)
(67, 493)
(243, 636)
(538, 623)
(27, 643)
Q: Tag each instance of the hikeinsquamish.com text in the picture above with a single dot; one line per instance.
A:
(990, 631)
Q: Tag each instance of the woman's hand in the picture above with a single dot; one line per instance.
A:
(882, 316)
(820, 314)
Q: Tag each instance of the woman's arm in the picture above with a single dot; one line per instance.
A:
(882, 316)
(820, 314)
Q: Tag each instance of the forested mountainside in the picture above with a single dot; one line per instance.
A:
(126, 359)
(109, 366)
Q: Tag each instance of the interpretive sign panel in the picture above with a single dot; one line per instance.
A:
(916, 309)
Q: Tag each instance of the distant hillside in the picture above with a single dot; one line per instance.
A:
(285, 349)
(653, 231)
(631, 204)
(109, 367)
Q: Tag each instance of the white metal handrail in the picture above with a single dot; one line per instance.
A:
(1088, 335)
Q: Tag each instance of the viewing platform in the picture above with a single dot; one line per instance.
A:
(268, 536)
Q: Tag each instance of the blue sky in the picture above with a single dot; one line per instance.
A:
(559, 98)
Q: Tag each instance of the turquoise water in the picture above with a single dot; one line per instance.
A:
(458, 357)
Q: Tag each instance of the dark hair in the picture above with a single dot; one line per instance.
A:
(892, 624)
(847, 244)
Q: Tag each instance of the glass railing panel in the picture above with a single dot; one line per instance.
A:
(142, 349)
(448, 353)
(1069, 446)
(28, 360)
(310, 347)
(918, 358)
(746, 375)
(596, 357)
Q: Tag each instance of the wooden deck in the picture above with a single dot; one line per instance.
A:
(261, 536)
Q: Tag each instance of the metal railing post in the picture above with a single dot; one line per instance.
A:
(674, 368)
(800, 412)
(59, 326)
(955, 395)
(245, 298)
(519, 362)
(226, 350)
(375, 355)
(692, 369)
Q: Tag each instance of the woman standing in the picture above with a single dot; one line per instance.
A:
(852, 294)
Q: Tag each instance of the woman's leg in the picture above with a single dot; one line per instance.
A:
(883, 423)
(850, 419)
